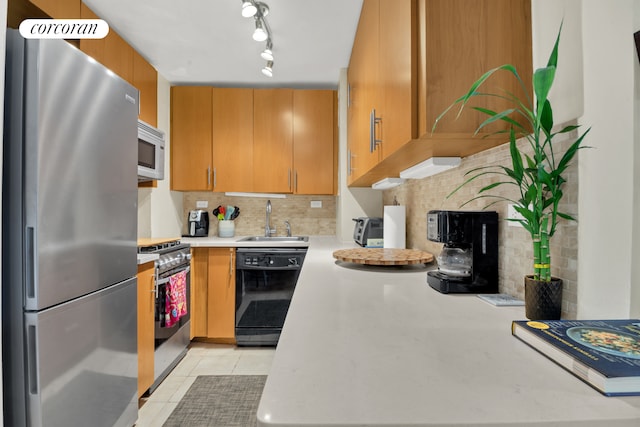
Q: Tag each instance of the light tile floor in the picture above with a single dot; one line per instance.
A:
(202, 359)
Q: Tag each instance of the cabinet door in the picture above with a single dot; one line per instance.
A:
(145, 78)
(232, 136)
(221, 293)
(363, 73)
(92, 47)
(112, 51)
(146, 326)
(313, 144)
(396, 79)
(199, 291)
(272, 140)
(191, 138)
(59, 9)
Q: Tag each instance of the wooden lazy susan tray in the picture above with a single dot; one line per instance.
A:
(383, 256)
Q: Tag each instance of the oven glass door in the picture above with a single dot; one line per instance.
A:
(163, 304)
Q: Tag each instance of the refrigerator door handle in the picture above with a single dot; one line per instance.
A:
(30, 268)
(32, 359)
(34, 409)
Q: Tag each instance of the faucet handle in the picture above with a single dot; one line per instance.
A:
(286, 224)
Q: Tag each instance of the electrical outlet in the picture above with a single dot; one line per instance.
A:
(202, 204)
(513, 214)
(316, 203)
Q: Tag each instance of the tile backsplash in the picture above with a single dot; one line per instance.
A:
(296, 209)
(515, 247)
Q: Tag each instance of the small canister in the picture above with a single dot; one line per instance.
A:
(226, 228)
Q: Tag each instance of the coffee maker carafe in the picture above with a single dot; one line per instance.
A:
(468, 262)
(198, 223)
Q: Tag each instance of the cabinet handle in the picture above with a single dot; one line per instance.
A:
(349, 95)
(289, 179)
(209, 177)
(231, 261)
(215, 180)
(373, 121)
(295, 181)
(349, 162)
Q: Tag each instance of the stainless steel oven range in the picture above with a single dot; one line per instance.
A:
(172, 268)
(265, 281)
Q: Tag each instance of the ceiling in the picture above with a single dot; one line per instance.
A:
(209, 42)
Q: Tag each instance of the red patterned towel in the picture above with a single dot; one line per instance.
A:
(176, 299)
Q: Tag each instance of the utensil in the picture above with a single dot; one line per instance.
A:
(236, 212)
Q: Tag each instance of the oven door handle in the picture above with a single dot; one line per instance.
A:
(166, 280)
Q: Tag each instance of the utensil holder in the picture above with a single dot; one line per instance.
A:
(226, 228)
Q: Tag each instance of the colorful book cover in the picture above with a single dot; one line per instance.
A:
(603, 353)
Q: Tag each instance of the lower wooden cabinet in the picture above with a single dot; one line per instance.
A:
(146, 325)
(213, 293)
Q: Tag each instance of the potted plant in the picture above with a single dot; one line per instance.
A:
(538, 175)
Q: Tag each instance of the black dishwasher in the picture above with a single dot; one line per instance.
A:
(265, 281)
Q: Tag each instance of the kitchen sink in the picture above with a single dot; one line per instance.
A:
(275, 239)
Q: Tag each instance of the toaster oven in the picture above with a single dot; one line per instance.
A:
(368, 232)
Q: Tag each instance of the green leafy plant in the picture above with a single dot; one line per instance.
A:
(539, 176)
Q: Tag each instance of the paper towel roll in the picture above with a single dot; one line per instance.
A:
(394, 231)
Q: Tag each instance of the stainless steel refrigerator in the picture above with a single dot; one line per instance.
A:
(69, 235)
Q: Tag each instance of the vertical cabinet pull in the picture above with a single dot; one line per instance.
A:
(295, 181)
(231, 265)
(289, 179)
(373, 122)
(209, 177)
(215, 181)
(349, 162)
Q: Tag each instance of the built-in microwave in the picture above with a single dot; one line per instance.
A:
(150, 152)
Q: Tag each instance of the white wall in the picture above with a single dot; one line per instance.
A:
(607, 217)
(352, 202)
(160, 209)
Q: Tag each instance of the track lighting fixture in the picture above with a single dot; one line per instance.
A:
(260, 34)
(249, 8)
(268, 69)
(267, 53)
(259, 10)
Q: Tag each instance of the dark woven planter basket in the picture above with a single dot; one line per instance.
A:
(543, 300)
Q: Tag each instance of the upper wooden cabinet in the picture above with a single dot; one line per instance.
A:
(116, 54)
(191, 151)
(273, 140)
(60, 9)
(145, 78)
(429, 52)
(253, 140)
(313, 142)
(363, 95)
(232, 139)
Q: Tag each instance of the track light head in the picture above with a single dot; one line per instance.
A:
(260, 34)
(249, 8)
(268, 69)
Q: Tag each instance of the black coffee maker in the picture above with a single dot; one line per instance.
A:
(468, 262)
(198, 223)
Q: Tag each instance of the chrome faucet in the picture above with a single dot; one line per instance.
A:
(268, 231)
(286, 224)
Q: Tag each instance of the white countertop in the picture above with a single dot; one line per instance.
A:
(145, 258)
(377, 347)
(234, 242)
